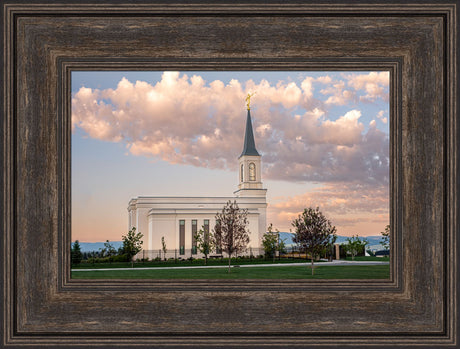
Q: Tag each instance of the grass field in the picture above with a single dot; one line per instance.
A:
(211, 262)
(276, 272)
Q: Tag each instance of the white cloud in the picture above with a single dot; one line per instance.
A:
(381, 117)
(183, 119)
(339, 95)
(355, 88)
(374, 84)
(324, 79)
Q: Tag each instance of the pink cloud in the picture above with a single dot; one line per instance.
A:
(185, 120)
(374, 84)
(353, 208)
(324, 79)
(339, 95)
(381, 117)
(342, 92)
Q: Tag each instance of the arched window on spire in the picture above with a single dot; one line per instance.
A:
(241, 176)
(252, 171)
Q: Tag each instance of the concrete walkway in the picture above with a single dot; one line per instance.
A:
(335, 262)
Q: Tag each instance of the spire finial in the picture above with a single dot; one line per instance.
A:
(249, 146)
(248, 100)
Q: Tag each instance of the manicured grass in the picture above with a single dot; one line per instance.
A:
(186, 263)
(211, 262)
(278, 272)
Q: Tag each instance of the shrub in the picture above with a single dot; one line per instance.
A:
(121, 258)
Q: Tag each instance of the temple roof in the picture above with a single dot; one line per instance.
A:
(249, 147)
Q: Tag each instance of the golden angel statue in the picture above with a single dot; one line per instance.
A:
(248, 99)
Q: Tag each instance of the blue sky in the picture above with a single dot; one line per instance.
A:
(323, 137)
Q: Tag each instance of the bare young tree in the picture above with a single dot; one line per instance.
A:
(163, 247)
(230, 234)
(313, 232)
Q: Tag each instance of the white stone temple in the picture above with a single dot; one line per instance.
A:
(177, 219)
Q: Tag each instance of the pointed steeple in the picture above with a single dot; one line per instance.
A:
(249, 147)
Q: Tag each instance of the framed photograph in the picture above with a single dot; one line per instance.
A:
(272, 143)
(45, 44)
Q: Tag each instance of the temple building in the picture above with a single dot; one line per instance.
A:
(177, 219)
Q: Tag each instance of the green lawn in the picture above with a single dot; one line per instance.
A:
(211, 262)
(186, 263)
(279, 272)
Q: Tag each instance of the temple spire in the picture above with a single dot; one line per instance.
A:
(249, 147)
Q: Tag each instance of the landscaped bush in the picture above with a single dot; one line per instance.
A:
(142, 260)
(120, 258)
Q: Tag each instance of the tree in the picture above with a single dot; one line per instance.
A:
(132, 244)
(355, 245)
(230, 232)
(385, 242)
(108, 250)
(272, 242)
(204, 243)
(163, 246)
(313, 232)
(75, 253)
(281, 245)
(330, 249)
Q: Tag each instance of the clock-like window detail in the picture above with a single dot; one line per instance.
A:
(241, 173)
(252, 172)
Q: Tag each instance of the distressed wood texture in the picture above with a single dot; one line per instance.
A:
(43, 44)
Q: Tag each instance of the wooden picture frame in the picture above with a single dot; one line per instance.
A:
(45, 42)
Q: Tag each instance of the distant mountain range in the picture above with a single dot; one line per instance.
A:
(95, 246)
(374, 242)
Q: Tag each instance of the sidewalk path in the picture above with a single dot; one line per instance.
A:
(335, 262)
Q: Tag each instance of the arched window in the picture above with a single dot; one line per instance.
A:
(241, 173)
(252, 172)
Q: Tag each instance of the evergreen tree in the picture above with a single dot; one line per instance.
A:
(75, 253)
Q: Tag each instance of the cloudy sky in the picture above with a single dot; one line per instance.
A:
(323, 137)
